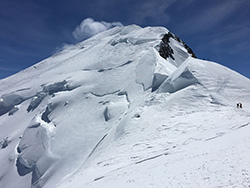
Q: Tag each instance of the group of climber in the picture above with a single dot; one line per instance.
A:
(239, 105)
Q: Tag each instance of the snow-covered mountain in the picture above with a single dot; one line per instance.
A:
(129, 107)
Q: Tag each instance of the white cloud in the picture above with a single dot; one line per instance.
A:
(89, 27)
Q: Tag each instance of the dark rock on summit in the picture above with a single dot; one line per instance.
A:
(166, 51)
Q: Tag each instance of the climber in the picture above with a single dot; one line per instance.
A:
(239, 105)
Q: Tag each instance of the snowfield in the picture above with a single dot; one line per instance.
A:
(129, 107)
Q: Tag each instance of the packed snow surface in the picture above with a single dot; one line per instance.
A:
(112, 112)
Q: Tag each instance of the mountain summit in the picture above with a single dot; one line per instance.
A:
(129, 107)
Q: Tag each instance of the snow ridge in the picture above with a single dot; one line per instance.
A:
(129, 107)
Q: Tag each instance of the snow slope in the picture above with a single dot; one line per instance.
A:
(129, 107)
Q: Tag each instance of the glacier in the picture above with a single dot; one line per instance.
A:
(128, 107)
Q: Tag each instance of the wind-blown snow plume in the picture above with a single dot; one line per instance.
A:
(89, 27)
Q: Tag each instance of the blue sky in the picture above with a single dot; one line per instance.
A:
(32, 30)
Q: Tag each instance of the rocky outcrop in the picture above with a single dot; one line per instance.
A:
(167, 51)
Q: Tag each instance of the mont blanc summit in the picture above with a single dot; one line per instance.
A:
(128, 107)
